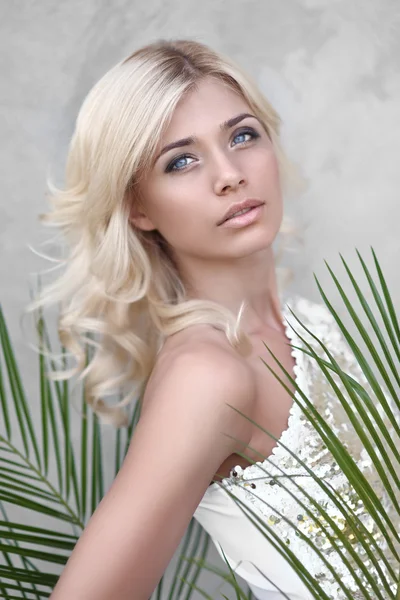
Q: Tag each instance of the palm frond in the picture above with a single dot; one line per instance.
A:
(26, 457)
(369, 548)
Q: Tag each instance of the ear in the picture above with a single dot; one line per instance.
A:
(139, 219)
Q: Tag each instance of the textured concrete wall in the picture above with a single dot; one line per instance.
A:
(330, 67)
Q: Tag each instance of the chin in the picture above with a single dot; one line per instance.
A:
(256, 242)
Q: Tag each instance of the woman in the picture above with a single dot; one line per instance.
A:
(174, 196)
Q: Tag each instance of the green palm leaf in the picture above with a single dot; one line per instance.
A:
(379, 432)
(70, 497)
(26, 458)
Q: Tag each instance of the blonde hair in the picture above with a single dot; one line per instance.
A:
(119, 283)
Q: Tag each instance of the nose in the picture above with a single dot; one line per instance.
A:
(229, 176)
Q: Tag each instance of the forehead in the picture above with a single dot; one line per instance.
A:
(203, 109)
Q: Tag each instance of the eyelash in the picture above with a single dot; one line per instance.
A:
(170, 169)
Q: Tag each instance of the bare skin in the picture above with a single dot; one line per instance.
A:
(185, 205)
(224, 265)
(270, 404)
(187, 433)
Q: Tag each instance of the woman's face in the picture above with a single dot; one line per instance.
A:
(193, 184)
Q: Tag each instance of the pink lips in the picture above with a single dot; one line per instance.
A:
(245, 219)
(238, 206)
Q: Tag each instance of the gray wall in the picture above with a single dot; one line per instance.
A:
(330, 67)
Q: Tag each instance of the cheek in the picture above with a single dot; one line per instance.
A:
(275, 176)
(175, 207)
(267, 166)
(269, 179)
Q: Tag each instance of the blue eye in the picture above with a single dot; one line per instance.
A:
(174, 165)
(251, 132)
(178, 163)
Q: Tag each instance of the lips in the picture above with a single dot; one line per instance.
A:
(249, 203)
(239, 213)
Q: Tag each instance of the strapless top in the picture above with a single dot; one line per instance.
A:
(269, 487)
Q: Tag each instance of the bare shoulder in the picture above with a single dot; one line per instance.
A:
(204, 354)
(185, 432)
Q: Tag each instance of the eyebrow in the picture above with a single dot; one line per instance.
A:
(192, 140)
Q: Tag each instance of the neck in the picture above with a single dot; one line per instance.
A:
(251, 279)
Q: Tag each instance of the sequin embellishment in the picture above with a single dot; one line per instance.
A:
(269, 487)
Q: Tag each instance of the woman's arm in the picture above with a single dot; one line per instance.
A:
(177, 447)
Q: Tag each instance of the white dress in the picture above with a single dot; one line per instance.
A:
(245, 548)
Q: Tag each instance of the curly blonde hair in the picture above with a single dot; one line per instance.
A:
(119, 282)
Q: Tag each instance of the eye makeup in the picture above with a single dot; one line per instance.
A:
(171, 167)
